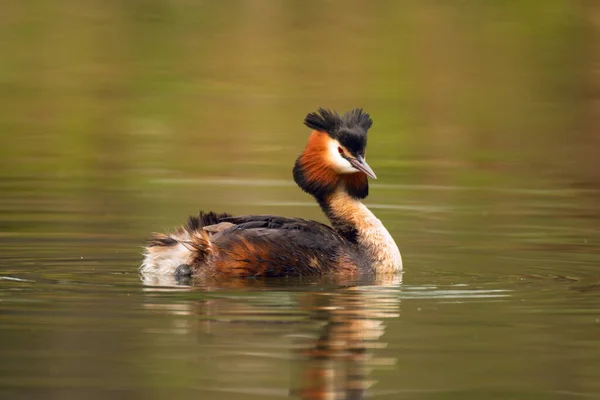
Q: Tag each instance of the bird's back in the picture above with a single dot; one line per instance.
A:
(260, 245)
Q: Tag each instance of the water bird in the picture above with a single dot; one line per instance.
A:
(333, 169)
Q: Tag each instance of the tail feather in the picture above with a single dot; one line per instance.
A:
(200, 245)
(188, 245)
(205, 219)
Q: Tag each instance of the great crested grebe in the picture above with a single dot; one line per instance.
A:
(333, 169)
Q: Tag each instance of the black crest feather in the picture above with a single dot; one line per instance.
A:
(323, 120)
(349, 129)
(328, 121)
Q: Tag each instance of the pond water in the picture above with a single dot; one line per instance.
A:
(119, 120)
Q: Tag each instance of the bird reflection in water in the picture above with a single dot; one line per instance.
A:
(331, 329)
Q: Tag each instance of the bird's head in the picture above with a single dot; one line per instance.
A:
(335, 154)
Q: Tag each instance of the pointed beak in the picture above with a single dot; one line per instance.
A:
(360, 164)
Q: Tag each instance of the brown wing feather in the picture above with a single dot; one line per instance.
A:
(273, 252)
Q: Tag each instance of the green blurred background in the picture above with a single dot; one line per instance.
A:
(96, 88)
(99, 95)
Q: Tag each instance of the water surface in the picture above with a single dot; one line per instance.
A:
(119, 120)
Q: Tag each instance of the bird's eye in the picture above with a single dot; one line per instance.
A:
(340, 150)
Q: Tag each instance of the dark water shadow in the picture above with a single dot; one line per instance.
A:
(333, 327)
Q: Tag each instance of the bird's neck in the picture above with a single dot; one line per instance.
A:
(353, 220)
